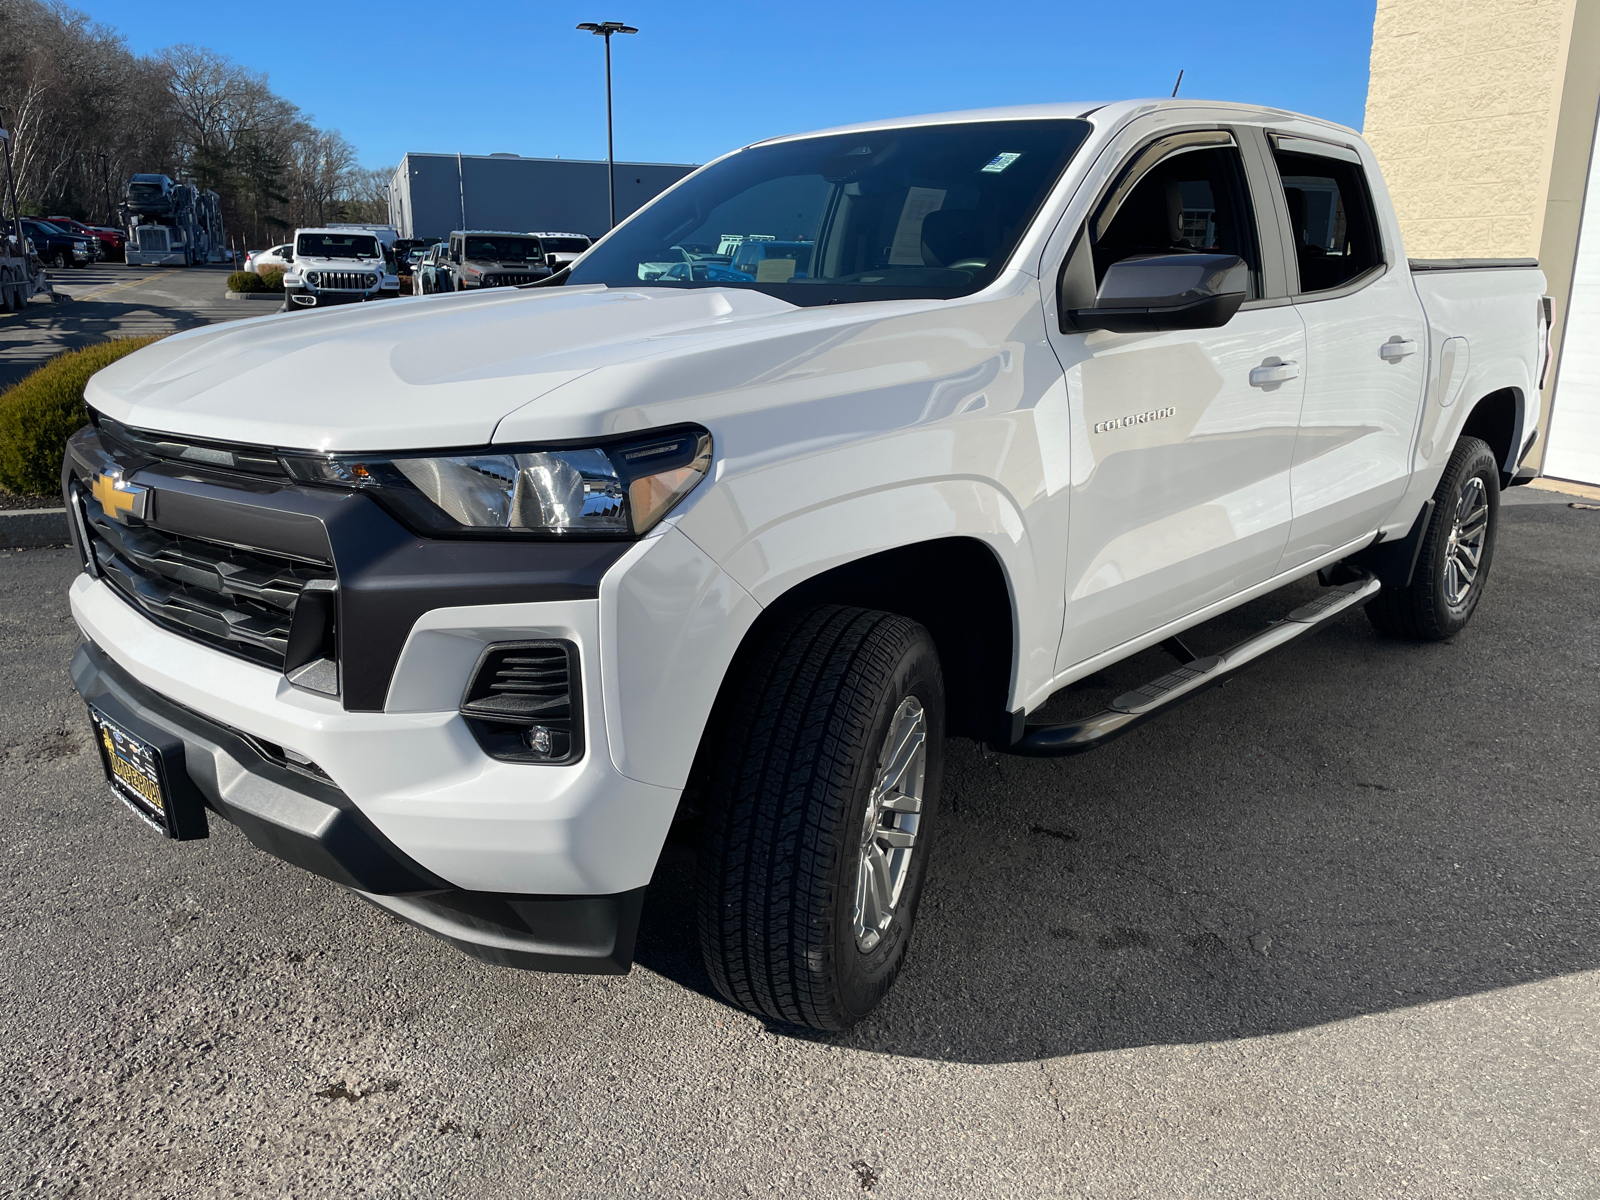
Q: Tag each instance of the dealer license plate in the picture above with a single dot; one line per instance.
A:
(134, 769)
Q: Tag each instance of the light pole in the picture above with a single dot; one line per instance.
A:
(605, 29)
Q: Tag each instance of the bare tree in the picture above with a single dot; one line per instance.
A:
(85, 113)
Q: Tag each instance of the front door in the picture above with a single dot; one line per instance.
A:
(1366, 352)
(1181, 441)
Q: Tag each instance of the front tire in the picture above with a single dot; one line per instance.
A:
(1457, 550)
(816, 830)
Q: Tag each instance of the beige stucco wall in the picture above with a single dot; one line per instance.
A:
(1483, 115)
(1462, 111)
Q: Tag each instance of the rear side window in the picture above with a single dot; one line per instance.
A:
(1331, 220)
(1195, 201)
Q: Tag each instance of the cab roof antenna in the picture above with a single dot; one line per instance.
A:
(1179, 84)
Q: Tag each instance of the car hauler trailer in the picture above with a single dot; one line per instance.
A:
(172, 224)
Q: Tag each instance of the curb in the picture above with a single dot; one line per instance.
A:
(1566, 487)
(34, 528)
(278, 296)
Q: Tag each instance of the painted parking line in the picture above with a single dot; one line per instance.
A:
(116, 287)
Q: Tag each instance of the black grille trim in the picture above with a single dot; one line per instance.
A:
(518, 686)
(243, 601)
(506, 279)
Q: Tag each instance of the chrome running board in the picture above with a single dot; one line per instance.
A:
(1134, 708)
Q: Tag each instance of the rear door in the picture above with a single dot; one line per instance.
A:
(1366, 348)
(1180, 441)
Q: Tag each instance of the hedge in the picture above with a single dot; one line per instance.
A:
(271, 280)
(245, 281)
(40, 412)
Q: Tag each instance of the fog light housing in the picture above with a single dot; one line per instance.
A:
(524, 702)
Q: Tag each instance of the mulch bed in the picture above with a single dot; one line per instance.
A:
(16, 500)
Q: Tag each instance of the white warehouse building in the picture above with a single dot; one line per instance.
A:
(431, 194)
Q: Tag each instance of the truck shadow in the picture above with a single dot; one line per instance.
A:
(1356, 826)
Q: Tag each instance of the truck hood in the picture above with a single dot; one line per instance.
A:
(416, 373)
(340, 264)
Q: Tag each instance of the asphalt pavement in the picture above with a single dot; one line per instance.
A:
(1328, 931)
(106, 300)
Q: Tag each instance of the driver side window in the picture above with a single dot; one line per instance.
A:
(1194, 200)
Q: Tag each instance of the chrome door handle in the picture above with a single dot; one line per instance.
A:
(1273, 371)
(1395, 349)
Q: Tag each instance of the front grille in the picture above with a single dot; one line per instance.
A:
(152, 239)
(239, 600)
(523, 703)
(343, 281)
(506, 279)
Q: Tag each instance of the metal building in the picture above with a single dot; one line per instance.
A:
(431, 194)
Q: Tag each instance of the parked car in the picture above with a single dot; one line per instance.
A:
(486, 258)
(431, 273)
(103, 245)
(528, 578)
(56, 246)
(562, 249)
(277, 258)
(116, 242)
(337, 266)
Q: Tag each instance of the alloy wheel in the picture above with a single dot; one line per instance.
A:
(1464, 551)
(889, 825)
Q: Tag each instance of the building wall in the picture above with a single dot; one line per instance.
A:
(1482, 114)
(1462, 111)
(431, 194)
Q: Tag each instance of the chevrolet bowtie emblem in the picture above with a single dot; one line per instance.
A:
(119, 499)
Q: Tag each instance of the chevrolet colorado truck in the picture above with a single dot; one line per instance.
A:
(514, 578)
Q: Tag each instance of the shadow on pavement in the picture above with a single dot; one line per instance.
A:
(42, 330)
(1357, 826)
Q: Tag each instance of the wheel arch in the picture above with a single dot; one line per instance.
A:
(956, 587)
(1498, 418)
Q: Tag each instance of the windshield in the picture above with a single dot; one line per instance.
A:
(336, 245)
(565, 245)
(504, 249)
(931, 211)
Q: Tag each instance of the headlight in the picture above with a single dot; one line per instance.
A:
(617, 488)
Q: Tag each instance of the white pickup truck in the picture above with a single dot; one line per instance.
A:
(516, 578)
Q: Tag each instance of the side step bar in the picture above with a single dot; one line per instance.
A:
(1134, 708)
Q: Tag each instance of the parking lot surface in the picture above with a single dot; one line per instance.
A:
(106, 300)
(1329, 931)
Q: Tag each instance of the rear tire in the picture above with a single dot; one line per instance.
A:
(1457, 550)
(818, 785)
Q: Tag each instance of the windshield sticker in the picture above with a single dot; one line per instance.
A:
(999, 163)
(906, 250)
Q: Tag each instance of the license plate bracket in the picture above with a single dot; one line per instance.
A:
(145, 769)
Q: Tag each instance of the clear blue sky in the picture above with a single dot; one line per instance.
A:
(704, 76)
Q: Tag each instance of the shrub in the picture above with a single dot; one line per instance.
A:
(40, 412)
(271, 280)
(245, 281)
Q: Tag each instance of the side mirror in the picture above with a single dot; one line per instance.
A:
(1153, 292)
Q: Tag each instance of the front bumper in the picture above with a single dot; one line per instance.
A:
(311, 823)
(304, 297)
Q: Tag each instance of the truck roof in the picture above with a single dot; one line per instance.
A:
(494, 233)
(1065, 110)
